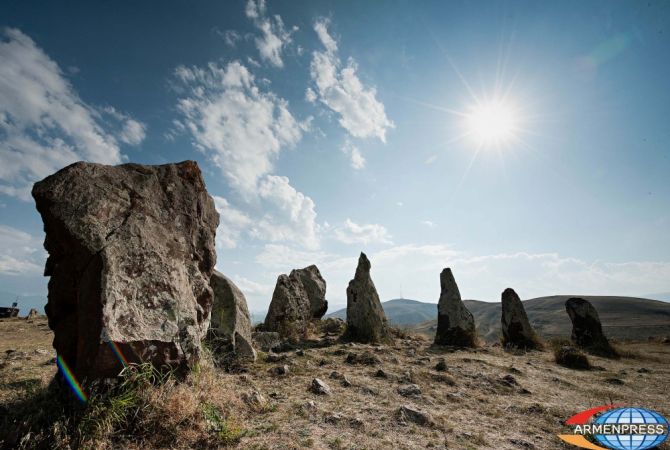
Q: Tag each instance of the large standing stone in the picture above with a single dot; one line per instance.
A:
(289, 312)
(455, 324)
(587, 331)
(230, 316)
(315, 288)
(131, 252)
(366, 321)
(516, 329)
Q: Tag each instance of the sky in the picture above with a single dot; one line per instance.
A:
(523, 144)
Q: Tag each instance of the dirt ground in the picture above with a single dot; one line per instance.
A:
(486, 399)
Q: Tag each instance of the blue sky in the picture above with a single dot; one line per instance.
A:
(329, 128)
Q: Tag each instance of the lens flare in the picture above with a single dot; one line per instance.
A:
(118, 353)
(71, 380)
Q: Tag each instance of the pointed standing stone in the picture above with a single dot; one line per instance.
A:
(455, 324)
(230, 316)
(587, 331)
(366, 321)
(516, 329)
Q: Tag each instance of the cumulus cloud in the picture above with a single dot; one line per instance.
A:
(22, 252)
(353, 233)
(242, 128)
(44, 124)
(356, 159)
(232, 223)
(339, 88)
(274, 36)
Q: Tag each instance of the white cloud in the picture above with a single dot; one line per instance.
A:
(274, 36)
(22, 253)
(44, 125)
(353, 233)
(340, 89)
(231, 37)
(310, 95)
(356, 159)
(232, 222)
(242, 128)
(428, 223)
(251, 288)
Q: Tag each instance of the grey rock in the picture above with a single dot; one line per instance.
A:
(255, 400)
(289, 312)
(131, 252)
(587, 331)
(332, 325)
(266, 340)
(380, 373)
(230, 316)
(441, 365)
(365, 359)
(32, 314)
(455, 324)
(274, 357)
(315, 288)
(408, 413)
(516, 329)
(366, 321)
(319, 387)
(279, 370)
(409, 390)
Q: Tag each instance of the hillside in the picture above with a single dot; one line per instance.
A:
(622, 317)
(401, 311)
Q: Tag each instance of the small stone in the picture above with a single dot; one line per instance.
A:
(409, 390)
(254, 399)
(334, 375)
(366, 358)
(615, 381)
(333, 418)
(319, 387)
(266, 340)
(274, 357)
(643, 370)
(441, 365)
(509, 380)
(381, 374)
(345, 381)
(407, 413)
(279, 370)
(300, 352)
(356, 422)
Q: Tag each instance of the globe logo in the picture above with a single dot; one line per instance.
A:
(632, 416)
(616, 427)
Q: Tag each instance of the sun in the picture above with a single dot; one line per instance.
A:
(492, 123)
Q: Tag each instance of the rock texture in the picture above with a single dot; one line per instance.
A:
(131, 252)
(230, 317)
(516, 329)
(289, 312)
(587, 331)
(455, 324)
(32, 314)
(366, 321)
(315, 289)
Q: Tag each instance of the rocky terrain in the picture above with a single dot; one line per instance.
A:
(155, 349)
(484, 398)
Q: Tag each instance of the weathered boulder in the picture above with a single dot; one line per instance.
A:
(455, 324)
(131, 252)
(366, 321)
(266, 340)
(32, 314)
(409, 413)
(289, 311)
(587, 331)
(315, 289)
(231, 321)
(516, 329)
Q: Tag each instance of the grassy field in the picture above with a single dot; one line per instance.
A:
(486, 399)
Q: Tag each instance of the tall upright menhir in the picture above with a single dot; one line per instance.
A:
(455, 324)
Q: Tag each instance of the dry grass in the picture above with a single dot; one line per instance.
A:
(487, 399)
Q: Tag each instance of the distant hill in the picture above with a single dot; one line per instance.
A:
(662, 296)
(401, 311)
(622, 317)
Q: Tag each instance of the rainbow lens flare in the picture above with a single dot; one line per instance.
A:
(118, 353)
(71, 380)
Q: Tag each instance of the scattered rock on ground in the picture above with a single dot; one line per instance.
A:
(441, 365)
(266, 340)
(409, 390)
(319, 387)
(408, 413)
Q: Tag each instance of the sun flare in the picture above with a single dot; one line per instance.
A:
(492, 123)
